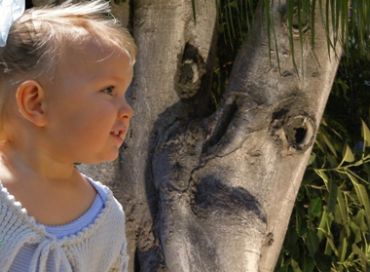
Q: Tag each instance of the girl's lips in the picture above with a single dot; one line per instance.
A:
(118, 136)
(118, 140)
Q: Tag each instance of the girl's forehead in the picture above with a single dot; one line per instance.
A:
(90, 55)
(91, 51)
(92, 61)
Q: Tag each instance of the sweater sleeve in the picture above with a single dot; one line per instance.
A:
(124, 260)
(121, 264)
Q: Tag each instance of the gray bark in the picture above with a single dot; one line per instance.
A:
(162, 31)
(215, 192)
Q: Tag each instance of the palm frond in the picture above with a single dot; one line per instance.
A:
(344, 21)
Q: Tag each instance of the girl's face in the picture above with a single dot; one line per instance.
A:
(87, 113)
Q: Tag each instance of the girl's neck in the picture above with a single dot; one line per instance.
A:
(34, 165)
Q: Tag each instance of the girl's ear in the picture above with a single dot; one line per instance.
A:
(30, 98)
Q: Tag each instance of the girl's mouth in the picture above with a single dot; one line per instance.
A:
(118, 136)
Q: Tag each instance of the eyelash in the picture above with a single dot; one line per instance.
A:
(109, 90)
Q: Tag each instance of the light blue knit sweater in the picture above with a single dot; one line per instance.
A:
(99, 247)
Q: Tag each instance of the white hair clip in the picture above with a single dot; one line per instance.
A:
(10, 10)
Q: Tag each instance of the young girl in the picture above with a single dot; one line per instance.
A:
(64, 72)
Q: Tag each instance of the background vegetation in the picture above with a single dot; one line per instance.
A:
(329, 226)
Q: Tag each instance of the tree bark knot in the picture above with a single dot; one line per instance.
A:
(294, 133)
(190, 71)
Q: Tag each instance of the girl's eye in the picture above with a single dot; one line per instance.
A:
(109, 90)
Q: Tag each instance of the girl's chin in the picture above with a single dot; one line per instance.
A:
(101, 159)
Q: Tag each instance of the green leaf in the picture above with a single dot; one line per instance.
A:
(291, 244)
(365, 133)
(329, 143)
(364, 200)
(324, 263)
(347, 155)
(295, 266)
(312, 242)
(343, 208)
(361, 195)
(355, 231)
(312, 158)
(360, 220)
(308, 264)
(330, 246)
(343, 250)
(323, 176)
(299, 225)
(315, 207)
(360, 253)
(323, 223)
(333, 192)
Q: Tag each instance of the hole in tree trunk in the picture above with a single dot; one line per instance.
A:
(299, 131)
(191, 69)
(300, 134)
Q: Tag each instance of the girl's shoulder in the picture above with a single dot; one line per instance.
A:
(103, 191)
(110, 202)
(110, 220)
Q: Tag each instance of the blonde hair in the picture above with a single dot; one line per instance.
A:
(37, 35)
(36, 38)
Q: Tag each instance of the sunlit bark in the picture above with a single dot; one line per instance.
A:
(214, 192)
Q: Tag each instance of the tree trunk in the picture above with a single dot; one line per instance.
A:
(214, 192)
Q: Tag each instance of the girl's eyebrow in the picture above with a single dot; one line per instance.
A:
(108, 78)
(117, 78)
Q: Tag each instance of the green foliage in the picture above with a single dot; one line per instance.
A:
(330, 224)
(346, 22)
(235, 19)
